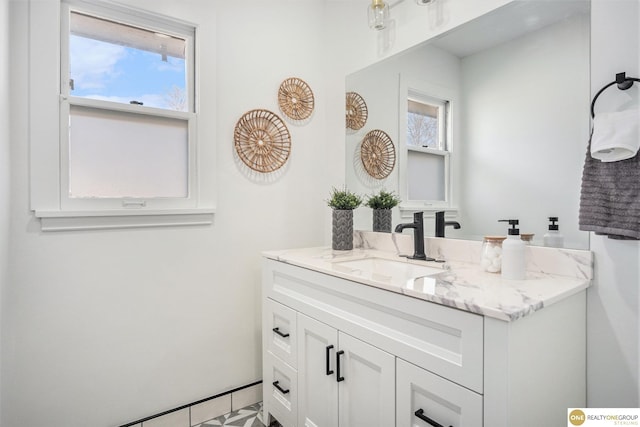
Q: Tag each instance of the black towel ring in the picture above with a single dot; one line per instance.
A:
(623, 83)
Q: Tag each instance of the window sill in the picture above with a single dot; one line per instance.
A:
(407, 210)
(114, 219)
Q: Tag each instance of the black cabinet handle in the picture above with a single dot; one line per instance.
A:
(338, 377)
(420, 414)
(277, 331)
(329, 347)
(276, 384)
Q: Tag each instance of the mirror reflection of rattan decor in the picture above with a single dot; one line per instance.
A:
(296, 99)
(356, 111)
(378, 154)
(262, 141)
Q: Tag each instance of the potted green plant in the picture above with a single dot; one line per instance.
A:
(343, 202)
(382, 203)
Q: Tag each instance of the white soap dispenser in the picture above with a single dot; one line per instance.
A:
(513, 253)
(553, 238)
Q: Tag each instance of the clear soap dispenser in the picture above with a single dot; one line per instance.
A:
(513, 253)
(553, 238)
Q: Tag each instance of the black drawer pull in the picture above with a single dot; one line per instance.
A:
(329, 347)
(420, 414)
(276, 384)
(277, 331)
(338, 377)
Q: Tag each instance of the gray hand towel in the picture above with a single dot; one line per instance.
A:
(610, 197)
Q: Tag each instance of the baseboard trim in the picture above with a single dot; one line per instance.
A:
(179, 408)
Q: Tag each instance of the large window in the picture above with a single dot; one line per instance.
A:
(128, 138)
(113, 111)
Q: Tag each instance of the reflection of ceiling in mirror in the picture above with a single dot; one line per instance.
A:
(506, 24)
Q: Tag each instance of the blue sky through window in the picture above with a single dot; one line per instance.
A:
(107, 71)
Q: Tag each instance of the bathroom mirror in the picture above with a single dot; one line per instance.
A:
(518, 117)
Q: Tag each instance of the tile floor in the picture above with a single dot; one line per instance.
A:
(250, 416)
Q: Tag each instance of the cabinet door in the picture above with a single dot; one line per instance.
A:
(367, 392)
(318, 388)
(424, 399)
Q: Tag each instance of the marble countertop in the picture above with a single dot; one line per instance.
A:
(461, 285)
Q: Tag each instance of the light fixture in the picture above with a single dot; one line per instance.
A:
(378, 12)
(425, 2)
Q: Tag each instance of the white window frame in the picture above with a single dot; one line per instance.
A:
(427, 92)
(49, 134)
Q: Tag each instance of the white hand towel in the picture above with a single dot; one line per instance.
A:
(615, 136)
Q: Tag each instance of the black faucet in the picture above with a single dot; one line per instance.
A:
(441, 224)
(418, 236)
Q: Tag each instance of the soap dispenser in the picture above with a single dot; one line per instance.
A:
(513, 253)
(553, 238)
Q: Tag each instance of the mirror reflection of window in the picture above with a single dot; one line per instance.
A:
(426, 145)
(426, 176)
(425, 118)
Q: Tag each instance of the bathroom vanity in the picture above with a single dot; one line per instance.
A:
(369, 338)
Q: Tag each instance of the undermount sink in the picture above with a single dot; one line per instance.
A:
(385, 270)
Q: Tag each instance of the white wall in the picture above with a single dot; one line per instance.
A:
(104, 327)
(613, 323)
(4, 168)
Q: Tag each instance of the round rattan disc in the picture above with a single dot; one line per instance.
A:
(378, 154)
(262, 140)
(295, 99)
(356, 111)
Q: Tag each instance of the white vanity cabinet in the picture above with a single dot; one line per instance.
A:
(411, 362)
(336, 380)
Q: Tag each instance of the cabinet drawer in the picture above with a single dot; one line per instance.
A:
(280, 328)
(423, 396)
(280, 390)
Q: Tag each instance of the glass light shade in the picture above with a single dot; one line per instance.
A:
(378, 12)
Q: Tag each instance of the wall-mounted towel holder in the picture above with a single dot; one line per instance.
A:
(623, 83)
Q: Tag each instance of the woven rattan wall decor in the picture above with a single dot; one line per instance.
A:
(378, 154)
(295, 98)
(356, 111)
(262, 141)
